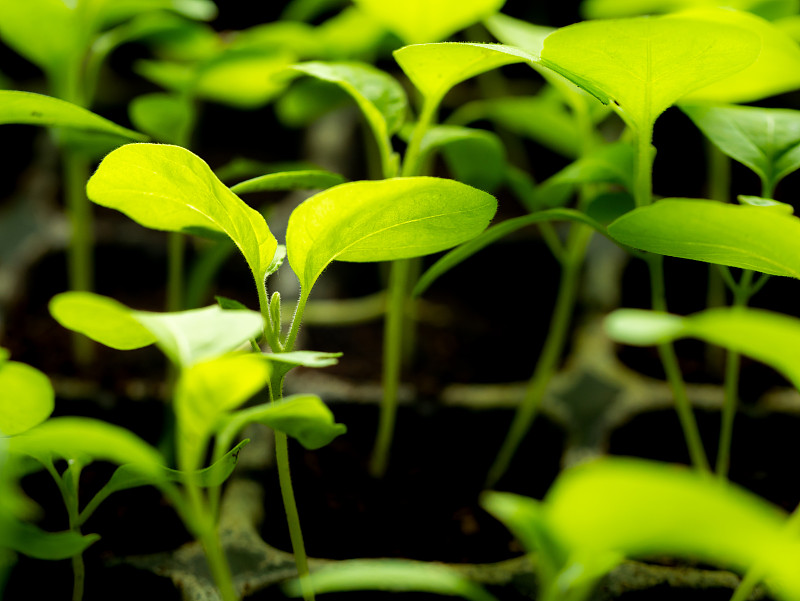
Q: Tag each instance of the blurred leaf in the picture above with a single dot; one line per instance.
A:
(26, 397)
(609, 9)
(382, 221)
(164, 117)
(310, 179)
(476, 157)
(416, 21)
(704, 230)
(39, 544)
(307, 100)
(758, 201)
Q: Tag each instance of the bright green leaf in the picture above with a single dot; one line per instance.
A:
(758, 201)
(165, 117)
(205, 392)
(435, 68)
(309, 179)
(715, 232)
(83, 437)
(644, 65)
(416, 21)
(475, 156)
(771, 338)
(383, 221)
(169, 188)
(775, 71)
(379, 96)
(26, 397)
(767, 140)
(609, 9)
(114, 11)
(37, 109)
(396, 575)
(303, 417)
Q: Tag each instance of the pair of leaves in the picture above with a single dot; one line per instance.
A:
(771, 338)
(599, 512)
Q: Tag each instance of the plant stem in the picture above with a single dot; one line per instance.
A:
(549, 360)
(669, 360)
(80, 262)
(643, 191)
(392, 363)
(176, 243)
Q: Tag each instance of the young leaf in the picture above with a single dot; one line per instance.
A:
(759, 201)
(638, 508)
(475, 156)
(83, 437)
(394, 575)
(186, 337)
(205, 392)
(283, 363)
(382, 221)
(35, 542)
(165, 117)
(767, 140)
(775, 71)
(704, 230)
(38, 109)
(610, 9)
(416, 21)
(308, 179)
(169, 188)
(771, 338)
(644, 65)
(379, 96)
(302, 416)
(26, 398)
(435, 68)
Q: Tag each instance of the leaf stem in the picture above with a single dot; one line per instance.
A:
(549, 360)
(176, 243)
(643, 190)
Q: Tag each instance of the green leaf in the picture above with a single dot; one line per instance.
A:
(416, 21)
(775, 71)
(168, 188)
(644, 65)
(114, 11)
(492, 234)
(475, 156)
(771, 338)
(302, 416)
(436, 68)
(308, 179)
(383, 221)
(165, 117)
(609, 163)
(86, 438)
(205, 392)
(704, 230)
(39, 544)
(642, 509)
(608, 9)
(758, 201)
(186, 337)
(100, 318)
(766, 140)
(283, 363)
(396, 575)
(38, 109)
(307, 100)
(379, 96)
(26, 398)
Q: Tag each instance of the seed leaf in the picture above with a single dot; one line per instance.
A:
(644, 65)
(703, 230)
(305, 179)
(435, 68)
(771, 338)
(379, 96)
(416, 21)
(208, 390)
(168, 188)
(775, 71)
(303, 417)
(38, 109)
(637, 508)
(766, 140)
(383, 221)
(26, 398)
(391, 575)
(186, 337)
(86, 438)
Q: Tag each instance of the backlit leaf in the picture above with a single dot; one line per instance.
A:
(643, 65)
(383, 221)
(609, 9)
(734, 235)
(416, 21)
(767, 140)
(168, 188)
(305, 179)
(38, 109)
(26, 397)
